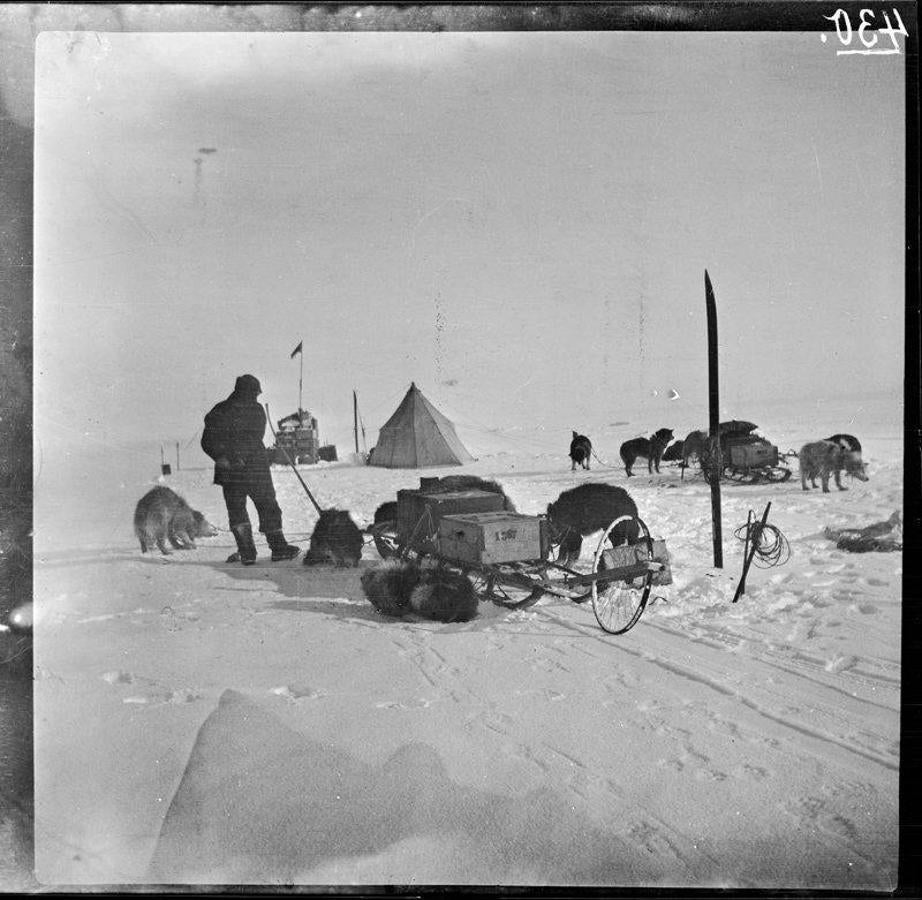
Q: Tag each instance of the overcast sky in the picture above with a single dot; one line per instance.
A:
(519, 222)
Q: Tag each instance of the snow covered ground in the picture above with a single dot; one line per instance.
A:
(202, 722)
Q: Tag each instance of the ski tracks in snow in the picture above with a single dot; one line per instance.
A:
(718, 709)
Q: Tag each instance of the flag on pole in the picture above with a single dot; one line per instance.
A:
(297, 350)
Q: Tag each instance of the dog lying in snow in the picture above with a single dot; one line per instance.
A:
(400, 587)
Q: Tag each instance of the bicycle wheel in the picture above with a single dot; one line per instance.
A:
(618, 605)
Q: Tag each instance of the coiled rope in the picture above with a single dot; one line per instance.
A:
(771, 547)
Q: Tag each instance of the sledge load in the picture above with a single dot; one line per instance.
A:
(297, 438)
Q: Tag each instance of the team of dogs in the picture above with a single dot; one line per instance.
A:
(399, 587)
(818, 459)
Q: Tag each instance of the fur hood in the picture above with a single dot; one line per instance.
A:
(247, 387)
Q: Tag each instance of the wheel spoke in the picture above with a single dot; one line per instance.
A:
(618, 605)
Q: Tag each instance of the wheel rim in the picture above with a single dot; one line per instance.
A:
(618, 605)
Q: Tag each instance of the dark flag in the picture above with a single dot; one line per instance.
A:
(297, 350)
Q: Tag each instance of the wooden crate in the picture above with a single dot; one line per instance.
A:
(629, 555)
(413, 504)
(753, 455)
(490, 537)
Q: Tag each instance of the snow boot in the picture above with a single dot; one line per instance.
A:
(281, 549)
(246, 549)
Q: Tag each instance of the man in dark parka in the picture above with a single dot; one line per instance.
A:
(233, 438)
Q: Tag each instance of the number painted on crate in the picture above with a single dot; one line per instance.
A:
(867, 33)
(508, 535)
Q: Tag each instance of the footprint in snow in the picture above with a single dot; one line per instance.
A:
(498, 722)
(710, 775)
(813, 810)
(154, 694)
(866, 609)
(296, 692)
(752, 773)
(421, 703)
(652, 839)
(174, 620)
(877, 582)
(840, 664)
(160, 698)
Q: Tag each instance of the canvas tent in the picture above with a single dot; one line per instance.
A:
(418, 435)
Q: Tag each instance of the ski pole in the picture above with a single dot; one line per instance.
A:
(756, 534)
(307, 490)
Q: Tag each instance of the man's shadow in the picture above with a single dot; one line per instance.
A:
(326, 589)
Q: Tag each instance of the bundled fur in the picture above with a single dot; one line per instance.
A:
(400, 587)
(444, 595)
(161, 515)
(388, 586)
(651, 449)
(471, 483)
(336, 539)
(881, 536)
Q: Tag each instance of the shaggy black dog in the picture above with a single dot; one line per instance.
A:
(588, 508)
(400, 587)
(675, 452)
(388, 586)
(386, 512)
(336, 539)
(651, 449)
(580, 451)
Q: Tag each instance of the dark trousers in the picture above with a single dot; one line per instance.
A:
(262, 492)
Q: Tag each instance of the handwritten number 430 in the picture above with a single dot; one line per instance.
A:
(867, 34)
